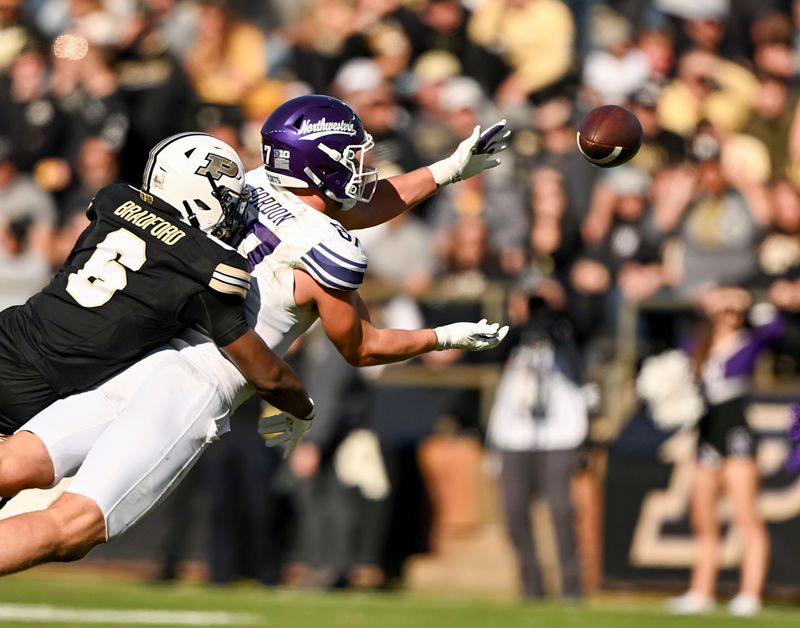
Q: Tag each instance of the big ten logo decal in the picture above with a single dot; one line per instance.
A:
(652, 546)
(217, 165)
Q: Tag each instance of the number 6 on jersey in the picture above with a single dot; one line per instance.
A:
(104, 272)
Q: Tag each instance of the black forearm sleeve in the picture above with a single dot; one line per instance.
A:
(220, 316)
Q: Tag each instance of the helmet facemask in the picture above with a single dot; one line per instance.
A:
(363, 180)
(230, 228)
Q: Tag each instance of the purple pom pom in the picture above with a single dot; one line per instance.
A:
(794, 429)
(793, 461)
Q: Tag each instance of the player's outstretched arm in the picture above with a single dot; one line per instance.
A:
(398, 194)
(346, 321)
(273, 379)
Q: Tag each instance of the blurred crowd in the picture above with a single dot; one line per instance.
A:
(712, 198)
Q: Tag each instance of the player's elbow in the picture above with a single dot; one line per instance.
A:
(355, 356)
(364, 353)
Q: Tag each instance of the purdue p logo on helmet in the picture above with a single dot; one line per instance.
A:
(217, 166)
(202, 178)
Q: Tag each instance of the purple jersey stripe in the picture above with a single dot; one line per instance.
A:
(269, 242)
(340, 273)
(335, 255)
(323, 277)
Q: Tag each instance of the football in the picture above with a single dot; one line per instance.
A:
(609, 136)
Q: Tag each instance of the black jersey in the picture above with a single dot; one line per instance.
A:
(132, 282)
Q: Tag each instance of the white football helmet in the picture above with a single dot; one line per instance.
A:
(202, 178)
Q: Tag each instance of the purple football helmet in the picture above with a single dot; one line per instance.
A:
(319, 142)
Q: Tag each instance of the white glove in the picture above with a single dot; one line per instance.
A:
(284, 427)
(470, 336)
(473, 155)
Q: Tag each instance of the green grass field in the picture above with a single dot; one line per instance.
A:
(70, 599)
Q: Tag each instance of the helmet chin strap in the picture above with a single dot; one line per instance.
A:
(344, 204)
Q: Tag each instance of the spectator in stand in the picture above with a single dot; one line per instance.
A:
(322, 40)
(492, 197)
(658, 46)
(553, 121)
(362, 85)
(259, 104)
(153, 82)
(29, 115)
(445, 23)
(719, 217)
(175, 21)
(96, 166)
(774, 121)
(402, 257)
(661, 149)
(401, 253)
(771, 37)
(17, 32)
(24, 262)
(96, 20)
(535, 39)
(22, 200)
(88, 90)
(795, 17)
(622, 260)
(392, 32)
(779, 261)
(554, 239)
(779, 252)
(717, 26)
(723, 356)
(615, 68)
(631, 247)
(706, 87)
(227, 56)
(430, 133)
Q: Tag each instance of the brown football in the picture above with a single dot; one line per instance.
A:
(609, 136)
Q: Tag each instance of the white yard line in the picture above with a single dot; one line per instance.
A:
(39, 613)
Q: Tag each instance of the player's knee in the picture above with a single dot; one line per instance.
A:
(24, 463)
(79, 525)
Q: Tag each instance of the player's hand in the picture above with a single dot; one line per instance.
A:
(470, 336)
(284, 427)
(473, 155)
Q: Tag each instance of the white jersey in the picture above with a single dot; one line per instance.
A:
(285, 234)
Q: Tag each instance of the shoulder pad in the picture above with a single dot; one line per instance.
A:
(257, 177)
(338, 261)
(230, 277)
(110, 196)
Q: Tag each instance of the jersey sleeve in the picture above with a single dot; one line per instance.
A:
(230, 277)
(220, 316)
(337, 262)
